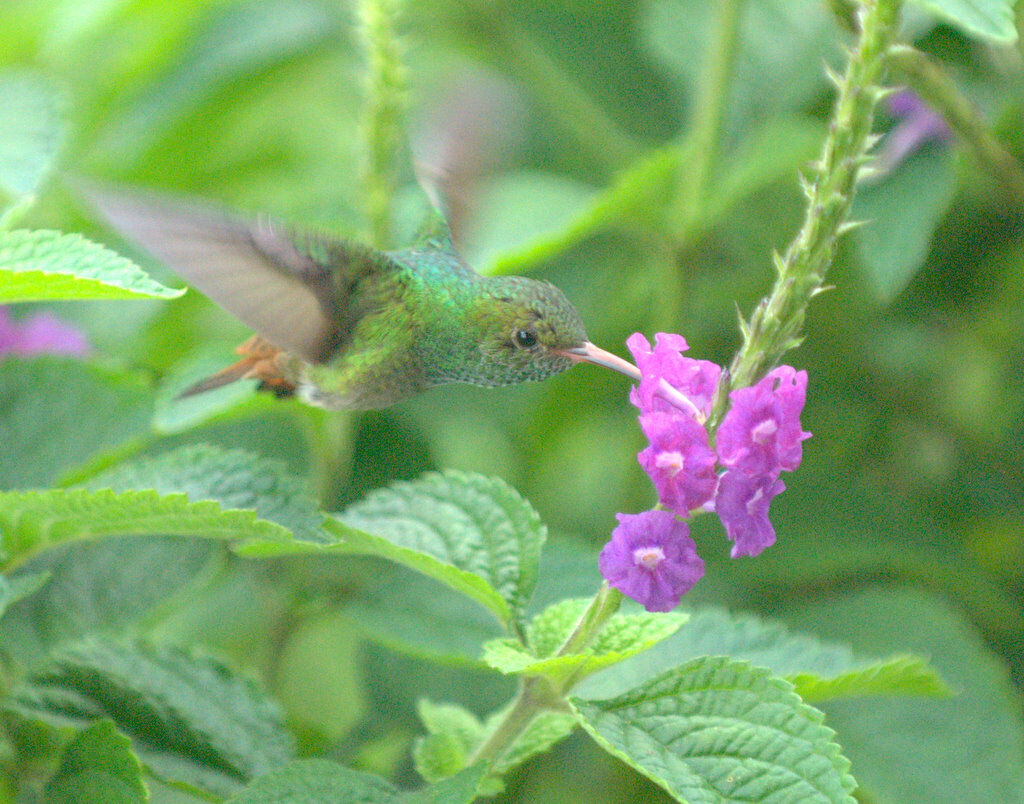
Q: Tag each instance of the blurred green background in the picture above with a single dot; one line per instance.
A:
(589, 166)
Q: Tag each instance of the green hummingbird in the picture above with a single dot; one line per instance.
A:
(345, 326)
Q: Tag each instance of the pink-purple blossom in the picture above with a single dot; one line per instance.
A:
(694, 379)
(651, 559)
(742, 504)
(760, 434)
(678, 460)
(41, 333)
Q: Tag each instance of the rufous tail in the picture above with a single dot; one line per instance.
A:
(259, 362)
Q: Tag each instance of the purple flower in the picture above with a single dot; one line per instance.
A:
(761, 435)
(651, 559)
(679, 461)
(917, 124)
(741, 502)
(41, 333)
(694, 379)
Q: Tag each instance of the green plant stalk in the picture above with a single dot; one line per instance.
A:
(939, 91)
(383, 110)
(776, 325)
(537, 693)
(704, 134)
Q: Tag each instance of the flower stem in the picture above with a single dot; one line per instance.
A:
(939, 92)
(382, 113)
(776, 324)
(537, 693)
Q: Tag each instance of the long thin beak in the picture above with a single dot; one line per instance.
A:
(588, 353)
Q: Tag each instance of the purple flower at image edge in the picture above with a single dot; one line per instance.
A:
(651, 559)
(694, 379)
(760, 434)
(678, 460)
(741, 502)
(917, 124)
(41, 333)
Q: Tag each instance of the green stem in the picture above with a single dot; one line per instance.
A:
(939, 91)
(537, 693)
(706, 130)
(776, 325)
(382, 113)
(329, 441)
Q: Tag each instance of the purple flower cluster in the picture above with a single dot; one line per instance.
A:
(41, 333)
(651, 557)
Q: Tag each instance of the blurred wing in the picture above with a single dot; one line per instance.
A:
(251, 269)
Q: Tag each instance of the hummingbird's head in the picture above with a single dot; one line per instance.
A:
(523, 329)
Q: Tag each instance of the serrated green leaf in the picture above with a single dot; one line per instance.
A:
(438, 756)
(986, 19)
(474, 533)
(45, 265)
(899, 675)
(33, 520)
(189, 718)
(97, 767)
(814, 667)
(314, 781)
(234, 479)
(716, 730)
(31, 130)
(624, 635)
(46, 428)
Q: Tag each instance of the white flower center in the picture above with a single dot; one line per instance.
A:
(648, 557)
(670, 462)
(763, 431)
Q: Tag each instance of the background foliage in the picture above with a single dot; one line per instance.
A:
(902, 531)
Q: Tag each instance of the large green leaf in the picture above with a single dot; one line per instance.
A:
(232, 478)
(33, 520)
(471, 532)
(45, 265)
(190, 719)
(47, 429)
(31, 130)
(987, 19)
(97, 767)
(900, 213)
(966, 748)
(717, 730)
(817, 669)
(411, 613)
(314, 781)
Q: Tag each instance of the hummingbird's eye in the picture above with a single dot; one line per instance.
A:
(524, 338)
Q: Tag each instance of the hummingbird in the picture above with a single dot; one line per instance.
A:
(345, 326)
